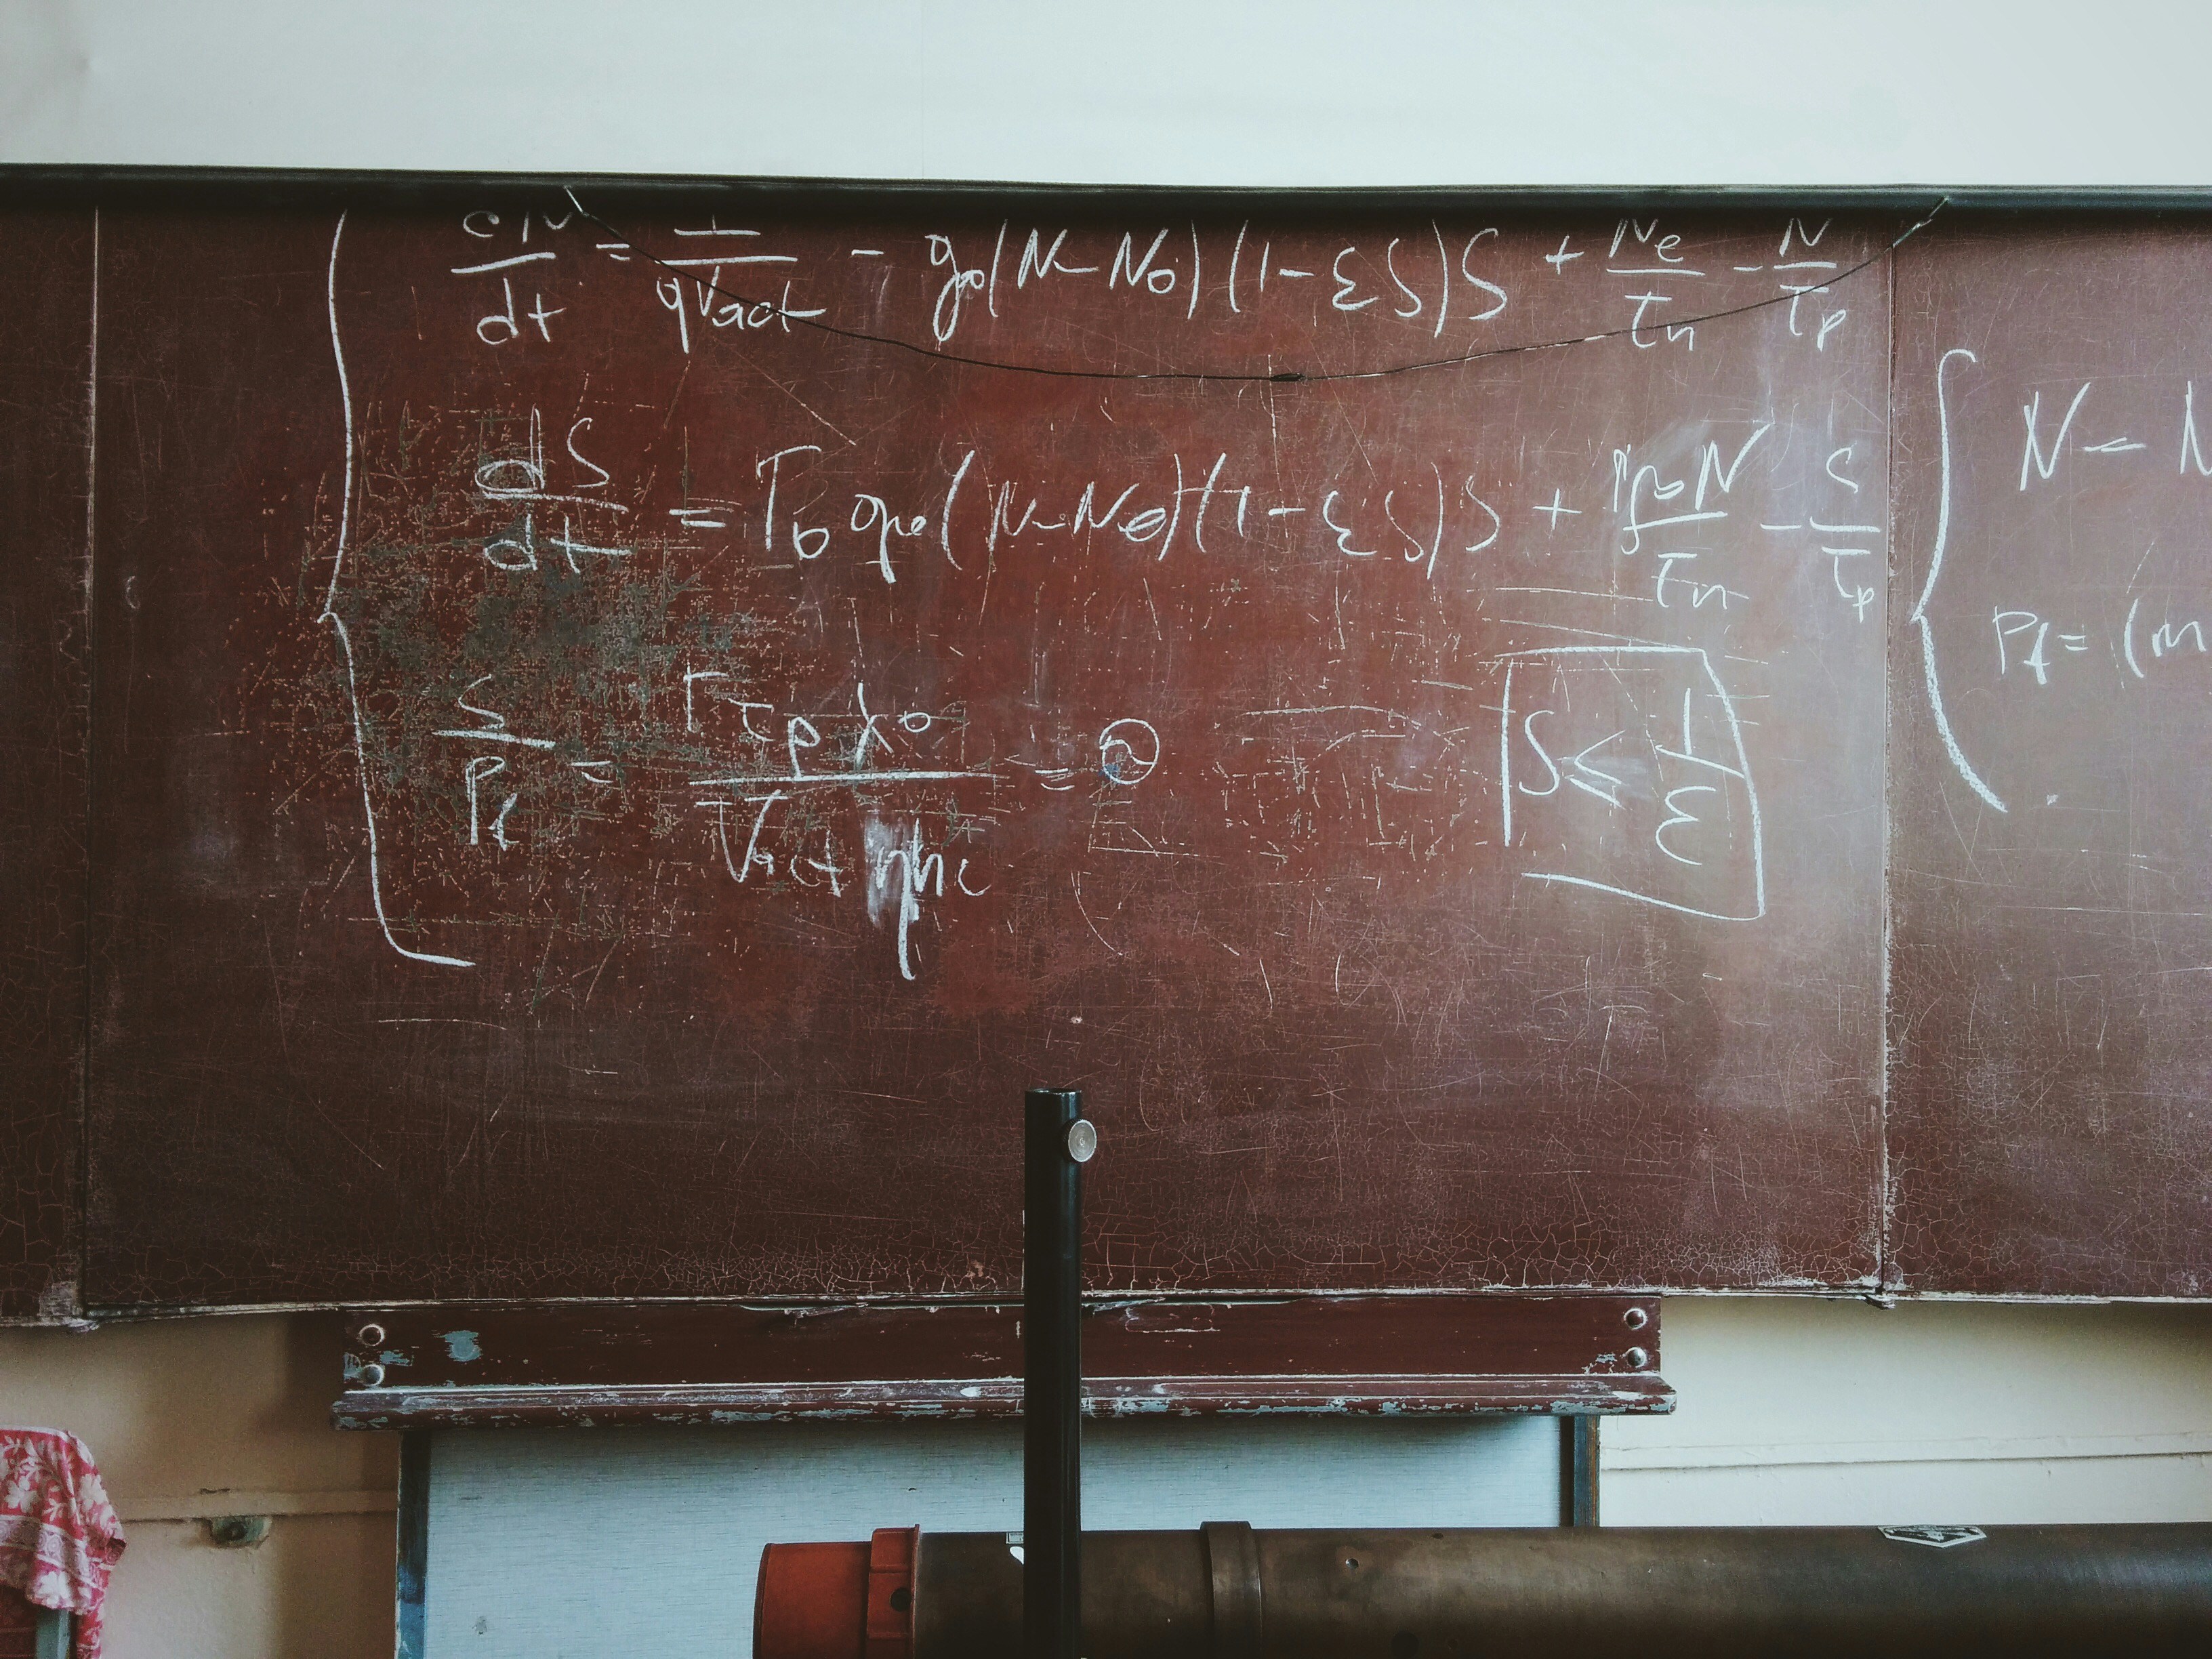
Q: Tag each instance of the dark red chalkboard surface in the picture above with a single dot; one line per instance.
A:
(627, 730)
(621, 730)
(2050, 1118)
(46, 389)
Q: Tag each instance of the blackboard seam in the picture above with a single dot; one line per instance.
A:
(73, 1259)
(1885, 1209)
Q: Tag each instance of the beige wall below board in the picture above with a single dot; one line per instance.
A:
(1841, 1414)
(193, 1418)
(1792, 1411)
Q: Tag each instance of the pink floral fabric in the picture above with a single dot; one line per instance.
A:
(59, 1537)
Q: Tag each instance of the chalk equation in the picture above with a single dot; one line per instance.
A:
(529, 276)
(807, 632)
(2112, 617)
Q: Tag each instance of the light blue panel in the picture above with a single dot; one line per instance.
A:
(580, 1543)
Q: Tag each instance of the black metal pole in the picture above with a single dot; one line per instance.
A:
(1056, 1143)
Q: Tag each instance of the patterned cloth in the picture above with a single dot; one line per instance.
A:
(59, 1538)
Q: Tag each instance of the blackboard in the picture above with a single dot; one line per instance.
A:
(2051, 1122)
(628, 725)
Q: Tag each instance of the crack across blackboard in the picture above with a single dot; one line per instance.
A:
(1281, 377)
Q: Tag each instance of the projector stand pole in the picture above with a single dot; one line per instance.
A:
(1056, 1144)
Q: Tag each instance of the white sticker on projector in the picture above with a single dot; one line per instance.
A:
(1937, 1538)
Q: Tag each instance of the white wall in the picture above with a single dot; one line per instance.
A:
(1257, 92)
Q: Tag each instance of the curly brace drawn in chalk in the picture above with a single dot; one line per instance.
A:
(1919, 616)
(330, 614)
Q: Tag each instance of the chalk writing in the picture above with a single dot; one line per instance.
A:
(888, 643)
